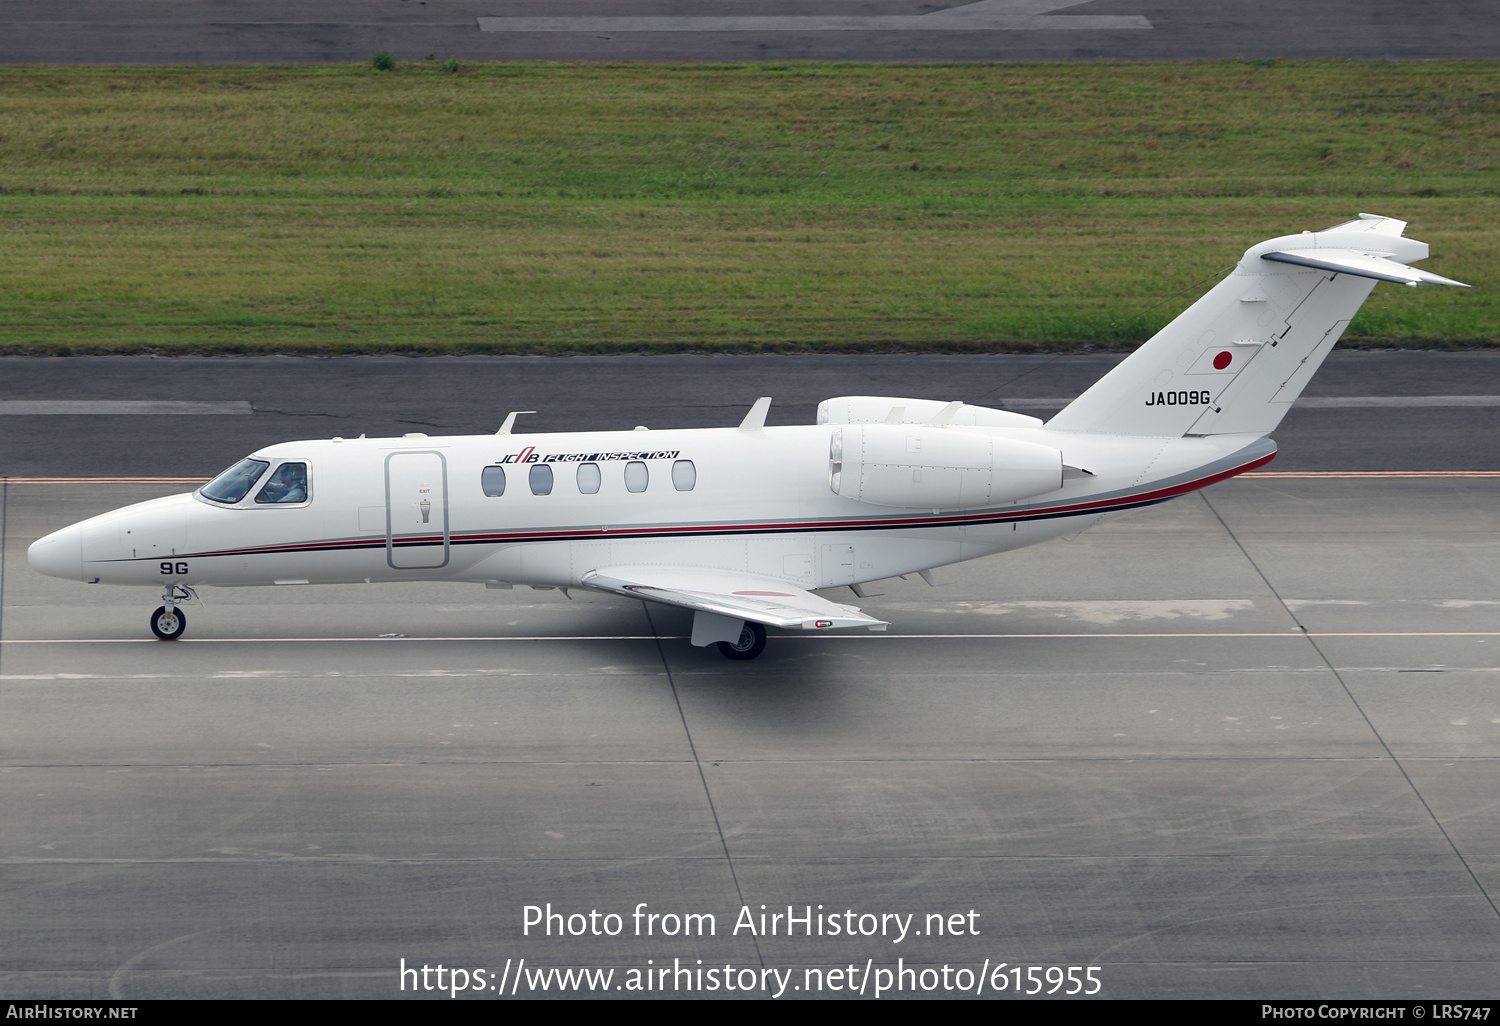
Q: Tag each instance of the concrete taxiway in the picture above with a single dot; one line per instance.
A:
(220, 409)
(301, 31)
(1244, 744)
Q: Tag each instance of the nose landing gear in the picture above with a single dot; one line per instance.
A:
(168, 623)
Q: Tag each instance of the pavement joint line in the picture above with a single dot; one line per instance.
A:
(4, 526)
(702, 777)
(1360, 709)
(1293, 633)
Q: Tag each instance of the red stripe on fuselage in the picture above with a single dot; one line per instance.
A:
(693, 530)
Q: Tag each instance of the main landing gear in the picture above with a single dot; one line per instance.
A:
(751, 643)
(168, 623)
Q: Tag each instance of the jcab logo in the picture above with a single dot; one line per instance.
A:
(526, 455)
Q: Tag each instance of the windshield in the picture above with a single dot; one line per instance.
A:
(234, 484)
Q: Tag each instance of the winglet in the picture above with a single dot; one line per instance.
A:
(756, 418)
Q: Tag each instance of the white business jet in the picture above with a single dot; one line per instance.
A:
(744, 524)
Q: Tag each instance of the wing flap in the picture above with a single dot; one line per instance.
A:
(764, 600)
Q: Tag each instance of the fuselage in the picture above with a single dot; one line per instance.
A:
(549, 509)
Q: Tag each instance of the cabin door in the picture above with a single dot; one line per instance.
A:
(416, 510)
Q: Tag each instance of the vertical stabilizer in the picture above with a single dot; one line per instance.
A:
(1235, 360)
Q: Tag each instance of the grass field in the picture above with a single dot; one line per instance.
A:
(556, 207)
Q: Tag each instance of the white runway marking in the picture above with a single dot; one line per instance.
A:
(1105, 613)
(242, 407)
(122, 407)
(1003, 15)
(1289, 633)
(284, 675)
(105, 480)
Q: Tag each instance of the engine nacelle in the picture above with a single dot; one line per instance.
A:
(884, 409)
(923, 467)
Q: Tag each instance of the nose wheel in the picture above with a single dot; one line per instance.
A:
(168, 624)
(751, 643)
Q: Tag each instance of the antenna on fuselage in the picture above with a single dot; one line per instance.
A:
(944, 417)
(756, 418)
(510, 421)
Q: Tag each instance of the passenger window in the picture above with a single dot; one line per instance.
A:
(684, 475)
(636, 477)
(287, 484)
(541, 479)
(588, 478)
(492, 480)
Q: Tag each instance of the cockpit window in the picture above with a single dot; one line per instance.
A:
(235, 483)
(288, 484)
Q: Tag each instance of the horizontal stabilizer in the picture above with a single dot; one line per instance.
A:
(1365, 265)
(741, 596)
(1377, 224)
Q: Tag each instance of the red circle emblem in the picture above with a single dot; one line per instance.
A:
(1223, 360)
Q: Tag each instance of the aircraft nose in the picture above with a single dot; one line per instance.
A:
(59, 554)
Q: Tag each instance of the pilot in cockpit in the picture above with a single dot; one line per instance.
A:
(287, 484)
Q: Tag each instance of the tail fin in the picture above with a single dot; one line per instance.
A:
(1235, 360)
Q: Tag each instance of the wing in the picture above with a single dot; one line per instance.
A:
(736, 595)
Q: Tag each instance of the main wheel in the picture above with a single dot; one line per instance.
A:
(168, 626)
(752, 642)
